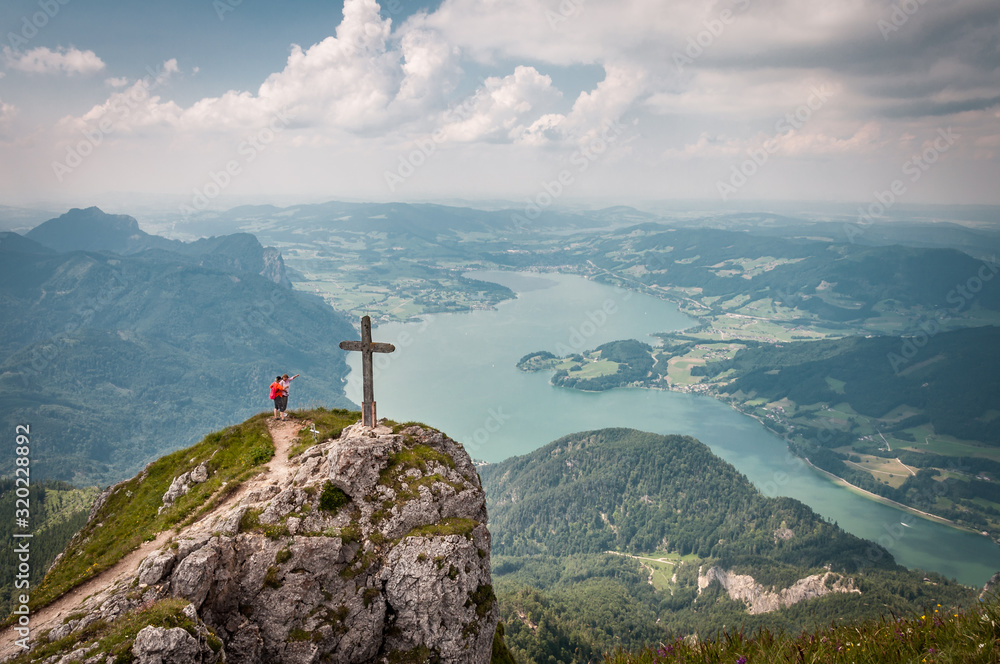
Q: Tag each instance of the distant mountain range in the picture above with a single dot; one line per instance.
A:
(117, 346)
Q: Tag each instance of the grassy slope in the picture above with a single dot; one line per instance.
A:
(129, 515)
(971, 636)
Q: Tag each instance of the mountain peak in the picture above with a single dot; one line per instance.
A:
(90, 229)
(368, 547)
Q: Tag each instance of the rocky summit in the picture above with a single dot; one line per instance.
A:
(368, 547)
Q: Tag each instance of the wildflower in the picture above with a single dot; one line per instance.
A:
(741, 660)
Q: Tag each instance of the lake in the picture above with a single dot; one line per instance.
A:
(457, 372)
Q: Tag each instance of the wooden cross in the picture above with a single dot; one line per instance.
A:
(366, 347)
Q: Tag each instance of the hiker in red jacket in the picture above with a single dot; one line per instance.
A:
(279, 396)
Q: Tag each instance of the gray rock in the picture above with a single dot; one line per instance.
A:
(758, 599)
(200, 473)
(183, 483)
(246, 645)
(230, 524)
(60, 631)
(194, 575)
(155, 645)
(156, 567)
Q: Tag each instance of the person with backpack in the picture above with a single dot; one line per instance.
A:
(278, 394)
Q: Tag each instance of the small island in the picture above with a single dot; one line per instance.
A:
(615, 364)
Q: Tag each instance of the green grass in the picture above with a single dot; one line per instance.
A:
(129, 516)
(948, 446)
(971, 636)
(416, 456)
(250, 522)
(332, 498)
(451, 526)
(596, 369)
(329, 424)
(399, 426)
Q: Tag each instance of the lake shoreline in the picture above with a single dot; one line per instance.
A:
(498, 411)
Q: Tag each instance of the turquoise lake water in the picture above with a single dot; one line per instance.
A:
(457, 372)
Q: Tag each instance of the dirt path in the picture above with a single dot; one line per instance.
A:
(94, 592)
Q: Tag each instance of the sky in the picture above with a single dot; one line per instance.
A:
(546, 102)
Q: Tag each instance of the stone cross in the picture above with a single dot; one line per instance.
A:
(367, 347)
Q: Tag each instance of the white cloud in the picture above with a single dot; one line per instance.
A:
(500, 109)
(375, 88)
(43, 60)
(131, 108)
(592, 111)
(361, 80)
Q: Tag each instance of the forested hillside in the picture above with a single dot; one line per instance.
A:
(670, 510)
(114, 360)
(881, 374)
(57, 511)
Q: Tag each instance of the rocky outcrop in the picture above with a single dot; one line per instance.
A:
(156, 645)
(374, 548)
(743, 588)
(274, 267)
(183, 483)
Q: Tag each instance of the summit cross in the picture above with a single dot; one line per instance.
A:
(367, 347)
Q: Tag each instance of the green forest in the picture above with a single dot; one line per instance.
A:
(556, 513)
(58, 510)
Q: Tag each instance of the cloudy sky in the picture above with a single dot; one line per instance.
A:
(214, 101)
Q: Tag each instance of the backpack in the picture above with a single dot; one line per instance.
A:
(276, 390)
